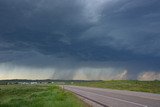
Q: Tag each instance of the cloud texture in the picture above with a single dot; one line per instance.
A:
(72, 39)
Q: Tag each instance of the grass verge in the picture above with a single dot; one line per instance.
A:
(37, 96)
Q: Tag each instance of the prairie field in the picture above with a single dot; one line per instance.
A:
(37, 96)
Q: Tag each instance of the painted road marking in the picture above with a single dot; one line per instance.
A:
(111, 98)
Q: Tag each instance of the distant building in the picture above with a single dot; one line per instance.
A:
(34, 83)
(23, 83)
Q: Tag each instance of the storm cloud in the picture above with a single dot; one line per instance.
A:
(80, 39)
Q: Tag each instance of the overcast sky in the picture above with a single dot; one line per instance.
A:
(80, 39)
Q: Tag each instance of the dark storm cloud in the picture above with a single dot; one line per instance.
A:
(71, 34)
(53, 26)
(129, 25)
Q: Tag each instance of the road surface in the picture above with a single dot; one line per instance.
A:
(116, 98)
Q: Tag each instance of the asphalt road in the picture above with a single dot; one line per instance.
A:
(116, 98)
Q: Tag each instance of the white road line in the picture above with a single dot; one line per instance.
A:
(114, 92)
(111, 98)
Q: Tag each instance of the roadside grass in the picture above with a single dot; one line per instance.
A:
(37, 96)
(131, 85)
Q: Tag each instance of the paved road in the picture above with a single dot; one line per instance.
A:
(116, 98)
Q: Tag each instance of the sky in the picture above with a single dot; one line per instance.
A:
(80, 39)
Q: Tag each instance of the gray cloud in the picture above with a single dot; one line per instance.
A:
(69, 37)
(129, 25)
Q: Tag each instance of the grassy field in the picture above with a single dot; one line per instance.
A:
(132, 85)
(37, 96)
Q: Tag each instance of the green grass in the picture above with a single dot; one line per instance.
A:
(132, 85)
(37, 96)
